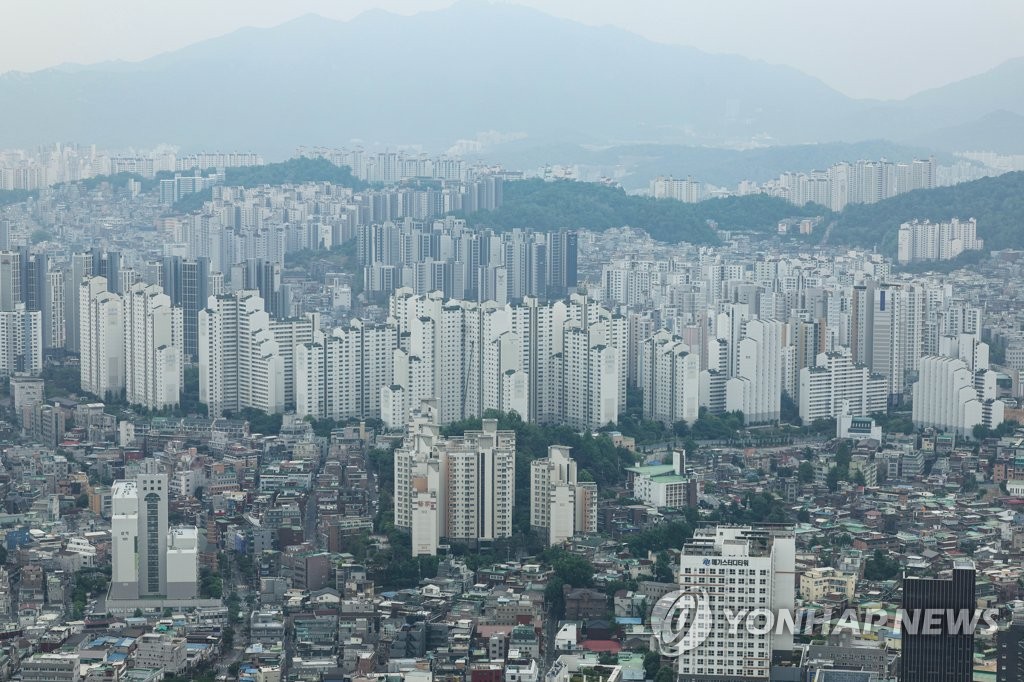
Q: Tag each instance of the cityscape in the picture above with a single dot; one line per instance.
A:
(715, 401)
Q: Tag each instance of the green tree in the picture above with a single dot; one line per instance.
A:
(806, 472)
(666, 673)
(832, 480)
(554, 597)
(663, 568)
(881, 567)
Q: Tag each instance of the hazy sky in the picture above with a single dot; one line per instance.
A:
(868, 48)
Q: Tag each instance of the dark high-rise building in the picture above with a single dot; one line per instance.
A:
(946, 656)
(33, 279)
(80, 268)
(1010, 661)
(187, 282)
(562, 259)
(265, 276)
(108, 264)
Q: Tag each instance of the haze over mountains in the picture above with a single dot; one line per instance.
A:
(437, 77)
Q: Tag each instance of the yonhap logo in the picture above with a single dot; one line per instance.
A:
(681, 621)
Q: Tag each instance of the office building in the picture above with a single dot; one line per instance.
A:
(947, 656)
(560, 505)
(240, 364)
(1010, 642)
(718, 561)
(186, 281)
(459, 489)
(148, 559)
(79, 268)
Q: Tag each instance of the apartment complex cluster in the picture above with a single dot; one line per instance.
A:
(390, 167)
(724, 333)
(858, 182)
(49, 165)
(464, 263)
(923, 240)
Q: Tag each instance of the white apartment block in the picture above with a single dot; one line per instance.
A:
(101, 338)
(54, 332)
(887, 330)
(21, 341)
(739, 568)
(670, 378)
(557, 362)
(949, 397)
(341, 375)
(835, 381)
(559, 503)
(289, 334)
(928, 241)
(688, 190)
(153, 344)
(460, 488)
(239, 360)
(756, 387)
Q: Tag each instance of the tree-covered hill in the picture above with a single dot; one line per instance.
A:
(997, 203)
(552, 205)
(293, 171)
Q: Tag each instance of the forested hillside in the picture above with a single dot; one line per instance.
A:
(552, 205)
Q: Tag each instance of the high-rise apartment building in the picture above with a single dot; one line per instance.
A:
(289, 334)
(458, 489)
(21, 341)
(756, 387)
(928, 241)
(670, 378)
(742, 569)
(950, 397)
(947, 656)
(835, 381)
(153, 331)
(239, 361)
(10, 280)
(561, 505)
(101, 338)
(79, 268)
(689, 190)
(186, 281)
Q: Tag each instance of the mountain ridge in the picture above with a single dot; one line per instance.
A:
(438, 76)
